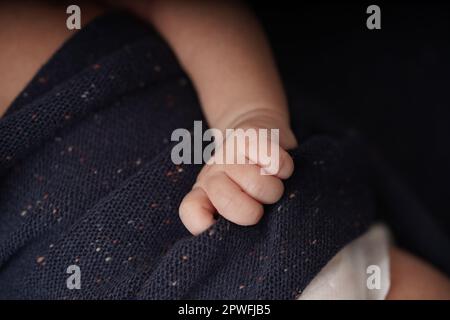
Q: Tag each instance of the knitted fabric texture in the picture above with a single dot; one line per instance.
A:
(86, 179)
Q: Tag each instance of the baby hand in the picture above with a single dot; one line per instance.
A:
(237, 192)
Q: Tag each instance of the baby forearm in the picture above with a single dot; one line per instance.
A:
(223, 49)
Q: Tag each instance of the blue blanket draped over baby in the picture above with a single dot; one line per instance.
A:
(86, 179)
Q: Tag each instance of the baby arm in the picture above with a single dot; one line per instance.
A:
(224, 51)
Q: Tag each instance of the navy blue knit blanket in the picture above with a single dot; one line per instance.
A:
(86, 179)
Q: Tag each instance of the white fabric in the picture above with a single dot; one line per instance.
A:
(345, 276)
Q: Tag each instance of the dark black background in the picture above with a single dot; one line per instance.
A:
(391, 84)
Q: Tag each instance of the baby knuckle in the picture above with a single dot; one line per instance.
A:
(279, 194)
(186, 205)
(254, 214)
(251, 214)
(228, 204)
(210, 181)
(257, 190)
(276, 191)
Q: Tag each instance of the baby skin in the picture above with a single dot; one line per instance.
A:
(224, 51)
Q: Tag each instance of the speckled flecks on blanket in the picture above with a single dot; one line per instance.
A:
(86, 179)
